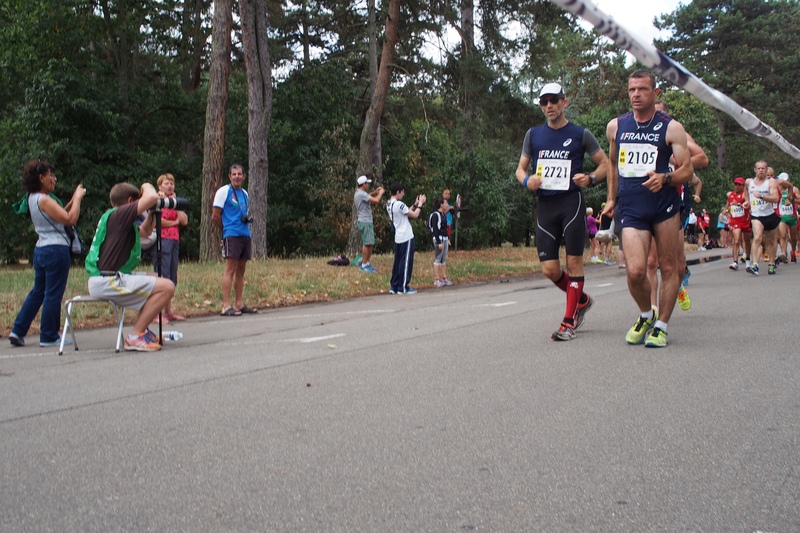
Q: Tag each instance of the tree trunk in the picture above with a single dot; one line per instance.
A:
(214, 139)
(372, 122)
(259, 114)
(192, 43)
(468, 66)
(377, 159)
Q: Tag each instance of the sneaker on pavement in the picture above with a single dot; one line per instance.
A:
(16, 340)
(164, 319)
(771, 269)
(656, 339)
(438, 283)
(640, 328)
(794, 257)
(141, 343)
(176, 317)
(57, 342)
(391, 291)
(564, 333)
(783, 259)
(608, 261)
(580, 316)
(410, 291)
(683, 299)
(743, 258)
(446, 283)
(752, 269)
(151, 336)
(734, 266)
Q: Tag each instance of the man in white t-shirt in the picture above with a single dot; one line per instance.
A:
(399, 213)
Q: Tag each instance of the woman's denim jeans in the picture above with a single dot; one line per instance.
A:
(51, 270)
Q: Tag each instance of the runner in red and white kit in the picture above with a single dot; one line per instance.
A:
(739, 208)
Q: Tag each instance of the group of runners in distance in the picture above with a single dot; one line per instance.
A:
(648, 172)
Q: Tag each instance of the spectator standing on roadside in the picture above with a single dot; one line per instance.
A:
(171, 222)
(591, 231)
(437, 222)
(722, 226)
(691, 226)
(605, 233)
(231, 214)
(363, 201)
(449, 209)
(399, 214)
(51, 256)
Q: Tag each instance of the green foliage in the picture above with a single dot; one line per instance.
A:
(750, 51)
(312, 109)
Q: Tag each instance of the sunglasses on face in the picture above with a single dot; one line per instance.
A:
(543, 101)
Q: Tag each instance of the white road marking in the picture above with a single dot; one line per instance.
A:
(315, 339)
(502, 304)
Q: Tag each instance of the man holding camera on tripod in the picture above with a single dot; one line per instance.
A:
(231, 214)
(116, 250)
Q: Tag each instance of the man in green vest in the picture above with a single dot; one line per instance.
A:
(116, 250)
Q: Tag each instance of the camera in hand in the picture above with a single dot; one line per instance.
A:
(247, 219)
(180, 204)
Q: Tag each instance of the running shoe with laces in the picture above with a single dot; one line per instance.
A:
(683, 299)
(141, 343)
(565, 332)
(16, 340)
(580, 316)
(438, 283)
(608, 261)
(151, 336)
(656, 339)
(446, 282)
(782, 259)
(771, 269)
(752, 269)
(410, 291)
(639, 330)
(734, 266)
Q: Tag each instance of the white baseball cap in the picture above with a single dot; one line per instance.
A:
(552, 88)
(783, 176)
(362, 180)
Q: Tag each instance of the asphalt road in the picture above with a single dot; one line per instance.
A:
(448, 410)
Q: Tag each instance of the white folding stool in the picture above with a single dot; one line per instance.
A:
(119, 318)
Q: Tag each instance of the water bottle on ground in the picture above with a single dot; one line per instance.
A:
(172, 336)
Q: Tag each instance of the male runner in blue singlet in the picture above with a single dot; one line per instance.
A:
(641, 144)
(555, 152)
